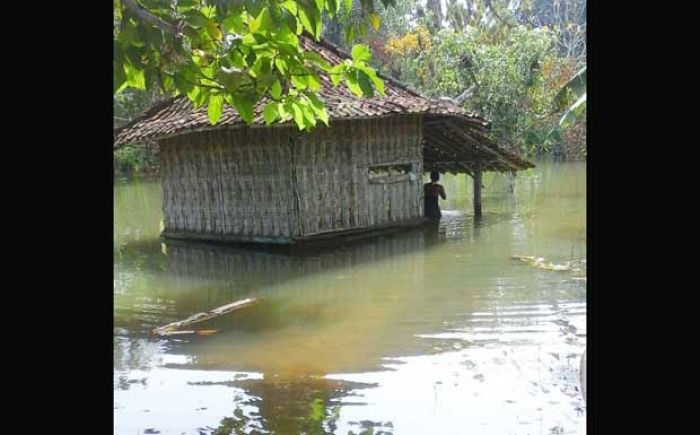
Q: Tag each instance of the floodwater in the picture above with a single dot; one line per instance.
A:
(434, 330)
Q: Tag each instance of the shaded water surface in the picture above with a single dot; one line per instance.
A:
(434, 330)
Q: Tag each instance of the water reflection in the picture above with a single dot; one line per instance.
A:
(309, 405)
(308, 299)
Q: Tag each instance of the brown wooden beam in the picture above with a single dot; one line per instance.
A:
(477, 189)
(475, 143)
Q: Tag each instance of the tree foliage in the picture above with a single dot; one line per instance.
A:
(492, 57)
(505, 59)
(237, 52)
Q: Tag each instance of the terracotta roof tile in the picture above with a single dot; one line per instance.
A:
(178, 115)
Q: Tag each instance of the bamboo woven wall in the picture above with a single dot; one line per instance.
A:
(332, 174)
(229, 182)
(277, 183)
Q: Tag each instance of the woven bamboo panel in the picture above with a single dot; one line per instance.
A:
(280, 183)
(332, 174)
(229, 182)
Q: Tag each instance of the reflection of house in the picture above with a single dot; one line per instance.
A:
(309, 405)
(242, 270)
(231, 182)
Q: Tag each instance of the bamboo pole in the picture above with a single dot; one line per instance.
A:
(171, 328)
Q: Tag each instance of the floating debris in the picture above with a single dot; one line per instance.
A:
(539, 263)
(575, 266)
(172, 328)
(528, 258)
(207, 331)
(204, 332)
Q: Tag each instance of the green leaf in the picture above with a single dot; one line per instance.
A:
(286, 32)
(291, 6)
(372, 74)
(182, 82)
(262, 23)
(361, 52)
(276, 89)
(244, 106)
(318, 108)
(348, 5)
(318, 60)
(209, 11)
(300, 81)
(197, 96)
(135, 77)
(253, 7)
(196, 19)
(573, 113)
(298, 116)
(378, 83)
(233, 24)
(283, 112)
(323, 116)
(374, 19)
(309, 19)
(216, 105)
(352, 81)
(270, 113)
(314, 82)
(309, 117)
(289, 25)
(214, 31)
(336, 74)
(315, 102)
(261, 66)
(364, 81)
(281, 65)
(333, 6)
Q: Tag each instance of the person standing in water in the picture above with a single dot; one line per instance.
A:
(431, 191)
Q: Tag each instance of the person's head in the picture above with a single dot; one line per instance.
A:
(434, 176)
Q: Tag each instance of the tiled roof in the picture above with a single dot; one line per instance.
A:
(178, 115)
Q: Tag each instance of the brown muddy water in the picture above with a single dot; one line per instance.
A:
(433, 330)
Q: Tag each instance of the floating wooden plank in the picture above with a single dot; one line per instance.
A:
(170, 333)
(172, 328)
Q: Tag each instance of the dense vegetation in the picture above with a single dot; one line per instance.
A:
(506, 59)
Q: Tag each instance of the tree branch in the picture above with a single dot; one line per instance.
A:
(459, 99)
(493, 10)
(146, 16)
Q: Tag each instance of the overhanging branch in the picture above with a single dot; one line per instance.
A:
(147, 16)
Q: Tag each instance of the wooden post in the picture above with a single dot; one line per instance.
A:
(477, 190)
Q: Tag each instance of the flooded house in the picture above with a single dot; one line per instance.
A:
(233, 182)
